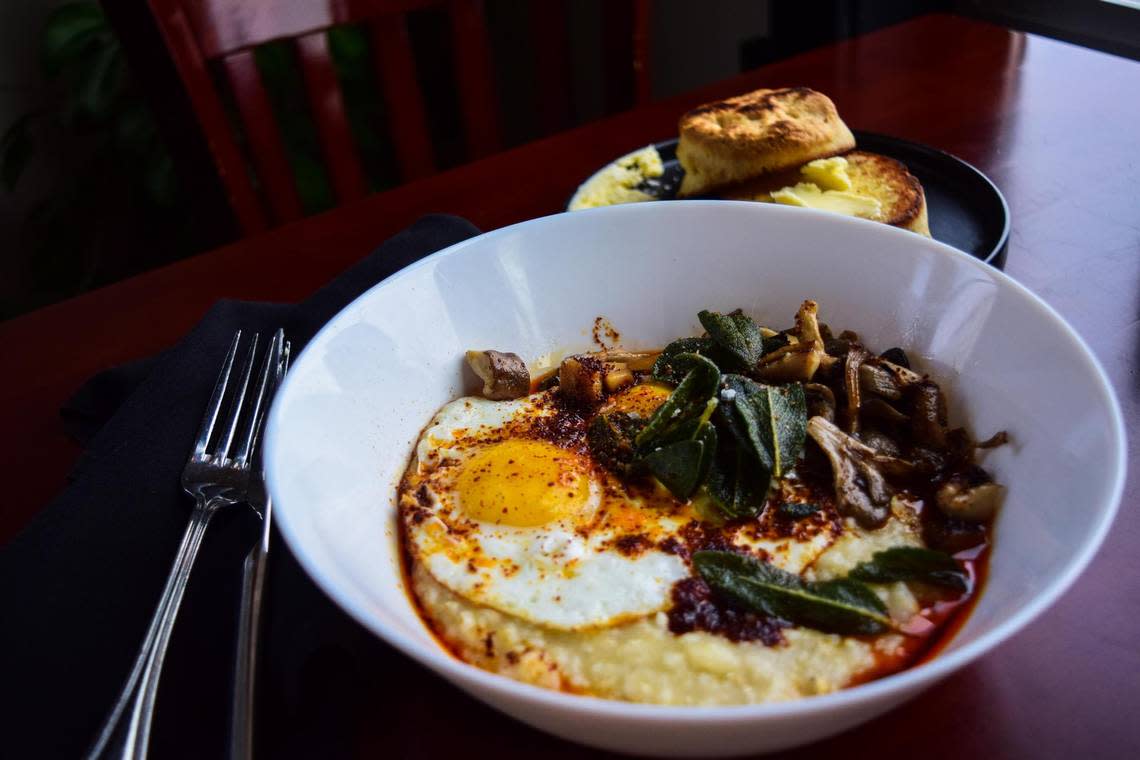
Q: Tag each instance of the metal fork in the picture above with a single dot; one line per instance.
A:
(249, 617)
(216, 477)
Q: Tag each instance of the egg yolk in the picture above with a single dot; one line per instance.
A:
(523, 483)
(640, 399)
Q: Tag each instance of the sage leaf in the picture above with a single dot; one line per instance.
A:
(683, 463)
(797, 510)
(665, 369)
(610, 439)
(913, 563)
(771, 419)
(678, 466)
(707, 435)
(737, 334)
(736, 484)
(689, 399)
(842, 606)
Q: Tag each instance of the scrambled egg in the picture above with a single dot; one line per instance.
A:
(618, 182)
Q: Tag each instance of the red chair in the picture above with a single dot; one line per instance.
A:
(201, 32)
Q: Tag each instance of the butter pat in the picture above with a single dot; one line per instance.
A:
(827, 173)
(838, 201)
(618, 182)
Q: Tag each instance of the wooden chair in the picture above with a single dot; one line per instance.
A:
(203, 34)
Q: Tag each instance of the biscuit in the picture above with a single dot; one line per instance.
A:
(733, 140)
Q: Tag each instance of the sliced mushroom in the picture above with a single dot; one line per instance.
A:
(580, 380)
(794, 362)
(617, 376)
(882, 443)
(999, 438)
(905, 377)
(897, 356)
(504, 375)
(804, 354)
(637, 361)
(820, 401)
(851, 366)
(807, 322)
(928, 422)
(836, 348)
(965, 499)
(877, 410)
(877, 381)
(861, 490)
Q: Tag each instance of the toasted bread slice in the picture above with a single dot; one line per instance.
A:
(734, 140)
(900, 195)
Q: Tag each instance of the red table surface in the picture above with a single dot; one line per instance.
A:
(1057, 127)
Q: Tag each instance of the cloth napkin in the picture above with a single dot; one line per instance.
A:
(79, 585)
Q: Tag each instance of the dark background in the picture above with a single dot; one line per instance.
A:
(92, 206)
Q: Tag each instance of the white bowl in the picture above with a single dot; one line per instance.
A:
(343, 425)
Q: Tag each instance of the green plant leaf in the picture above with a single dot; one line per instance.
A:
(735, 483)
(688, 400)
(797, 510)
(16, 149)
(707, 435)
(664, 369)
(98, 86)
(678, 466)
(71, 29)
(348, 45)
(610, 438)
(841, 606)
(771, 420)
(682, 463)
(737, 334)
(135, 131)
(913, 563)
(313, 183)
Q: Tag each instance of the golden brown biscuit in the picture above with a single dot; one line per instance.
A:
(733, 140)
(903, 203)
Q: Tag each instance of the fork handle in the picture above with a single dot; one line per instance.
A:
(252, 583)
(126, 732)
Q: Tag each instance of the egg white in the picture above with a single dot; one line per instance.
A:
(558, 574)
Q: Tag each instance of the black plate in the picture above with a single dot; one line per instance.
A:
(966, 209)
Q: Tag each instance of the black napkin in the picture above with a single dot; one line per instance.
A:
(79, 585)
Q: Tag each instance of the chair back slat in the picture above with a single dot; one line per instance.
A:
(260, 182)
(551, 63)
(264, 137)
(226, 26)
(192, 68)
(326, 104)
(396, 72)
(474, 79)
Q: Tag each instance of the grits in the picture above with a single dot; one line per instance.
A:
(642, 661)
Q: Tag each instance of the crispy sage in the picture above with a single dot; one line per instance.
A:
(737, 334)
(843, 606)
(913, 563)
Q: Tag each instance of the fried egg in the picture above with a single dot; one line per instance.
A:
(503, 505)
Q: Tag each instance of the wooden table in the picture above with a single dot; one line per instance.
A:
(1054, 125)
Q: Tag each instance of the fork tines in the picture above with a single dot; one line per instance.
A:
(244, 416)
